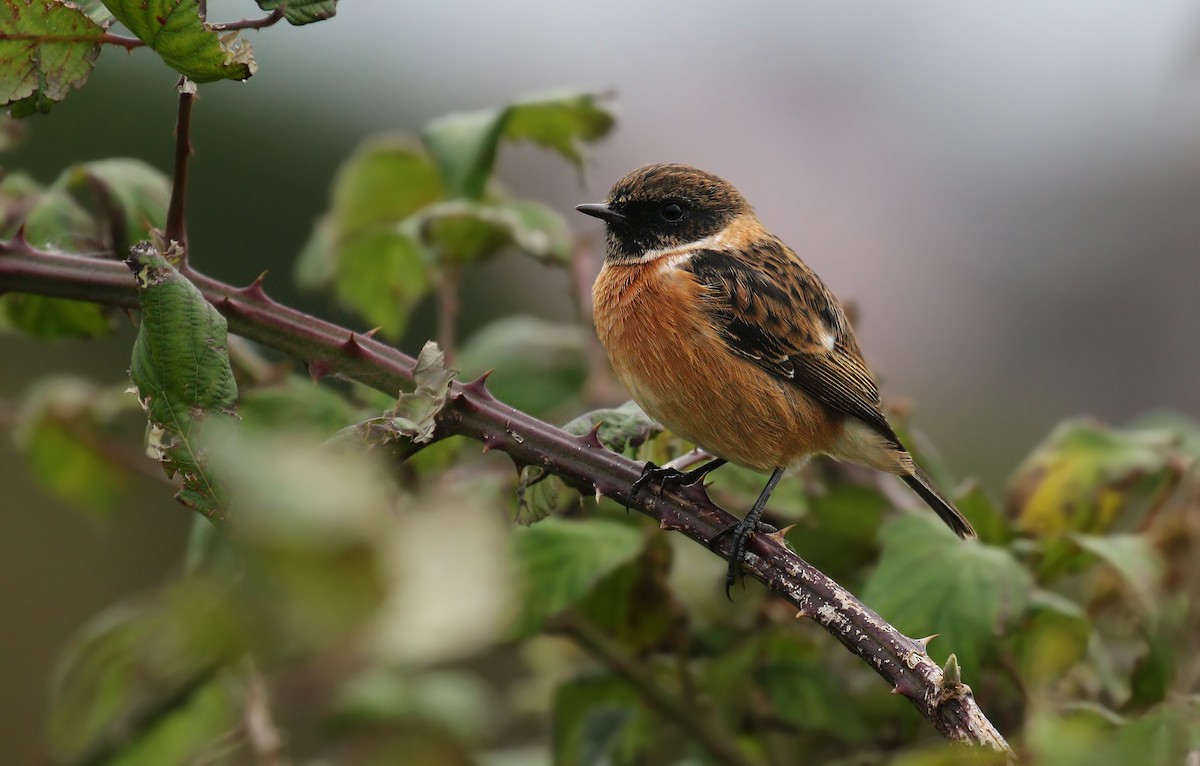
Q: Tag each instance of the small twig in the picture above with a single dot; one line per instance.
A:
(176, 225)
(262, 23)
(128, 43)
(447, 314)
(265, 740)
(715, 741)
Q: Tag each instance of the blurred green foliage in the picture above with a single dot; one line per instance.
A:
(361, 609)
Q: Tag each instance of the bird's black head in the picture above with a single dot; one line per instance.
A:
(665, 206)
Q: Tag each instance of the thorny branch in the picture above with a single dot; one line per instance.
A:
(580, 460)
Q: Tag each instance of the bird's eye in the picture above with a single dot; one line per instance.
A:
(672, 212)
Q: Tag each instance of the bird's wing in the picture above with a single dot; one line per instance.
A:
(771, 309)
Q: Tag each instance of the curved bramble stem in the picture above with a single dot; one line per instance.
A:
(472, 412)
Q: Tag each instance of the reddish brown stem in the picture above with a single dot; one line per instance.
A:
(261, 23)
(176, 224)
(128, 43)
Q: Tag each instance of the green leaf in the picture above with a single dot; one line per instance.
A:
(463, 231)
(42, 317)
(296, 403)
(299, 12)
(592, 717)
(838, 532)
(154, 653)
(54, 220)
(382, 275)
(46, 49)
(928, 581)
(59, 430)
(133, 194)
(181, 369)
(805, 690)
(558, 562)
(465, 144)
(988, 518)
(386, 180)
(312, 526)
(379, 269)
(633, 605)
(174, 30)
(541, 494)
(1135, 559)
(1053, 641)
(1088, 477)
(622, 429)
(537, 365)
(458, 701)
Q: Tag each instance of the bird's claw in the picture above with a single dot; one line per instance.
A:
(663, 477)
(741, 532)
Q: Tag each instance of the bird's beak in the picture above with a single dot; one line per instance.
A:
(602, 211)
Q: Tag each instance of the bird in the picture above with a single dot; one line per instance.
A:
(721, 333)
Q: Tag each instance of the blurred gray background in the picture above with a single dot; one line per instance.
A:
(1008, 192)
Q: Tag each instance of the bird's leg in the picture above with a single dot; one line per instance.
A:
(742, 530)
(666, 477)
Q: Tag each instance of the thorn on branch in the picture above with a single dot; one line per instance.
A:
(591, 439)
(254, 291)
(478, 387)
(781, 533)
(351, 347)
(492, 442)
(924, 642)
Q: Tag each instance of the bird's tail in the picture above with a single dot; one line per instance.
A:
(924, 486)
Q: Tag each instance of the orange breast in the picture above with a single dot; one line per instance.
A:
(670, 357)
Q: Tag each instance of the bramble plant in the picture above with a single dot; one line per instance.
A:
(346, 545)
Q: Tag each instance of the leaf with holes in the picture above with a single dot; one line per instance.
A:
(46, 49)
(174, 30)
(181, 369)
(415, 413)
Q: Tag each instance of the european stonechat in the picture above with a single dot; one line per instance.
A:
(722, 334)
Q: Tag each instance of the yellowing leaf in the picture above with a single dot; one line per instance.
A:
(47, 48)
(1088, 477)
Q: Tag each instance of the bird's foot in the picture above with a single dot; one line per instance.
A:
(665, 476)
(741, 532)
